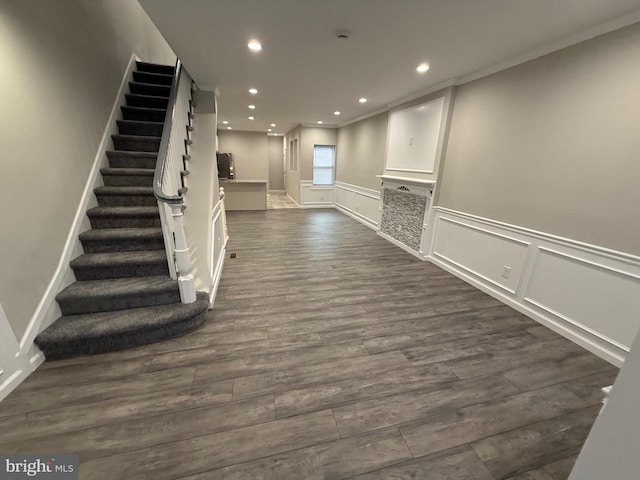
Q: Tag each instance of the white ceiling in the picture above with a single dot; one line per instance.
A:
(304, 72)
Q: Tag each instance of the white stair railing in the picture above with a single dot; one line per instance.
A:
(168, 186)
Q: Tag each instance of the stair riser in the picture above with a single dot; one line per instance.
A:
(124, 222)
(152, 68)
(143, 115)
(120, 271)
(149, 102)
(116, 161)
(113, 343)
(126, 200)
(122, 245)
(153, 90)
(128, 180)
(145, 129)
(154, 78)
(110, 304)
(150, 144)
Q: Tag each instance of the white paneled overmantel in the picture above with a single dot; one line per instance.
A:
(405, 205)
(414, 132)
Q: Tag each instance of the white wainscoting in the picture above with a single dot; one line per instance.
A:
(589, 294)
(315, 196)
(15, 365)
(219, 238)
(362, 204)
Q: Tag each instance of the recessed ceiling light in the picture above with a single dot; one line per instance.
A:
(363, 100)
(251, 118)
(254, 45)
(253, 91)
(225, 122)
(336, 113)
(319, 122)
(273, 124)
(268, 129)
(228, 128)
(252, 107)
(423, 67)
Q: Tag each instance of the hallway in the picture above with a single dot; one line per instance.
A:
(330, 354)
(278, 200)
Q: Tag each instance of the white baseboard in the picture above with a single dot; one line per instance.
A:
(401, 245)
(356, 216)
(292, 199)
(21, 369)
(15, 365)
(589, 294)
(47, 310)
(317, 205)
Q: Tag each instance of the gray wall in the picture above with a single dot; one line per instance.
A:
(64, 61)
(276, 163)
(361, 152)
(553, 144)
(250, 153)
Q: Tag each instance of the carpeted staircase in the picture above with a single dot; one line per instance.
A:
(123, 296)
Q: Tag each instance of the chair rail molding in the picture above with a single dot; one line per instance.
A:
(588, 294)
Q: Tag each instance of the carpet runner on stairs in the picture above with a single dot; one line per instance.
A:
(123, 296)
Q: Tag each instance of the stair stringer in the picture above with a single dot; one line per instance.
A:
(48, 309)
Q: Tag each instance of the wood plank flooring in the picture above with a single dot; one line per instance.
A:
(330, 354)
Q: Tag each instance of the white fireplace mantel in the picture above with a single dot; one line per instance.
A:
(414, 181)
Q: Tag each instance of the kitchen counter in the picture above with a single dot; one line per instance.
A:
(244, 194)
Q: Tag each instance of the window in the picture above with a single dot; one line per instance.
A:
(323, 164)
(293, 155)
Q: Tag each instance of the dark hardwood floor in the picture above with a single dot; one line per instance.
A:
(330, 354)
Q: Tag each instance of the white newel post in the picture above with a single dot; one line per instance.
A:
(183, 258)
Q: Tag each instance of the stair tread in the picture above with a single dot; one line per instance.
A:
(145, 96)
(123, 190)
(70, 328)
(130, 136)
(121, 233)
(142, 64)
(145, 108)
(152, 86)
(128, 171)
(123, 211)
(142, 257)
(142, 122)
(129, 153)
(164, 76)
(131, 286)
